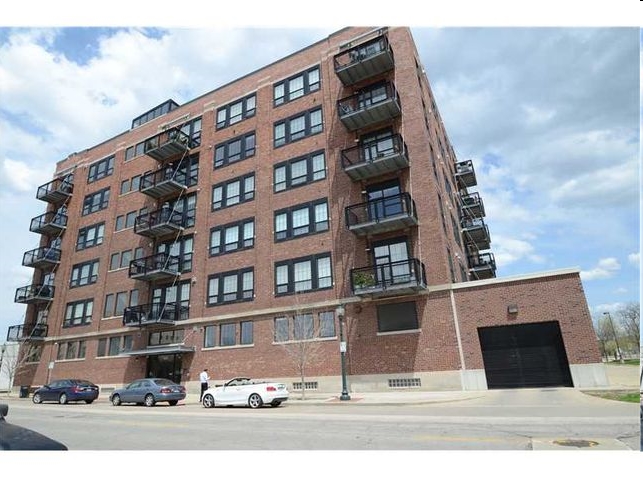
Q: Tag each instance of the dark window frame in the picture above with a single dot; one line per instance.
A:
(96, 201)
(243, 242)
(244, 150)
(306, 89)
(77, 280)
(309, 130)
(287, 166)
(83, 232)
(68, 321)
(101, 169)
(219, 298)
(312, 229)
(398, 311)
(314, 274)
(244, 195)
(246, 112)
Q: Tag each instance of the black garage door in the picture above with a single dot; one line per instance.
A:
(524, 356)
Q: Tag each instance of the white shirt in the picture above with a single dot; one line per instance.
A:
(204, 377)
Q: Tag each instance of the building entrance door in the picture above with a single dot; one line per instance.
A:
(165, 366)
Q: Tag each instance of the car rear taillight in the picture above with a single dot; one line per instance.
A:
(76, 389)
(270, 388)
(166, 390)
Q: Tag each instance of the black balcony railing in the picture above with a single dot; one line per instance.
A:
(159, 223)
(34, 293)
(163, 183)
(50, 223)
(394, 278)
(41, 258)
(56, 191)
(360, 62)
(373, 104)
(24, 332)
(169, 144)
(375, 158)
(381, 215)
(154, 267)
(476, 232)
(155, 313)
(472, 206)
(483, 265)
(465, 175)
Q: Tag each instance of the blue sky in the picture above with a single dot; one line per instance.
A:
(550, 117)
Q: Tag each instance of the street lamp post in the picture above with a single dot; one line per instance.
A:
(342, 352)
(618, 348)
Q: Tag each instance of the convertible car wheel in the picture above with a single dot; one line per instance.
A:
(255, 401)
(208, 401)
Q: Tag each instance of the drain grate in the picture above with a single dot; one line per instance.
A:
(576, 443)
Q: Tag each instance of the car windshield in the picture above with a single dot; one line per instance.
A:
(163, 382)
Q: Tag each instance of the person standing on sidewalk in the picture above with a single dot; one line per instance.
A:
(204, 378)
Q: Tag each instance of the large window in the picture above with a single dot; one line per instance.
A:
(236, 111)
(231, 287)
(116, 303)
(304, 327)
(232, 237)
(84, 274)
(234, 150)
(115, 345)
(101, 169)
(298, 127)
(183, 248)
(301, 275)
(71, 350)
(296, 86)
(228, 334)
(301, 220)
(78, 313)
(397, 317)
(96, 201)
(233, 192)
(90, 236)
(299, 171)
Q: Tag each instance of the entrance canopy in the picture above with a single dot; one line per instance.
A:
(161, 350)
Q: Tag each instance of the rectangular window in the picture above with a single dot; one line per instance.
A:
(306, 219)
(301, 275)
(246, 332)
(84, 274)
(96, 201)
(100, 169)
(303, 327)
(236, 111)
(232, 237)
(90, 236)
(102, 345)
(233, 192)
(396, 317)
(299, 171)
(231, 287)
(297, 127)
(327, 324)
(78, 313)
(209, 337)
(115, 304)
(114, 346)
(228, 334)
(282, 330)
(296, 86)
(72, 350)
(234, 150)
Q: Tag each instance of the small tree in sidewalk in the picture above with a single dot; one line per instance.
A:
(12, 366)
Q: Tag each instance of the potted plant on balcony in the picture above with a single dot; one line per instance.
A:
(362, 280)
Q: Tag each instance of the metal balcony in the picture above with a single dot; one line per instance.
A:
(35, 293)
(154, 314)
(472, 206)
(392, 279)
(482, 266)
(163, 183)
(27, 332)
(375, 158)
(366, 60)
(381, 215)
(50, 223)
(372, 105)
(159, 223)
(465, 175)
(154, 268)
(476, 233)
(56, 191)
(42, 258)
(169, 144)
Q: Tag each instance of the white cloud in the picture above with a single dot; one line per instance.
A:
(634, 259)
(508, 250)
(605, 269)
(538, 115)
(20, 176)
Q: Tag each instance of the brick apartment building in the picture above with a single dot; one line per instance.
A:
(315, 194)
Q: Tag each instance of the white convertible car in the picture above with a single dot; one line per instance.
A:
(246, 392)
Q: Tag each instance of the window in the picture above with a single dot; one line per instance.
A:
(120, 260)
(115, 304)
(160, 110)
(296, 86)
(84, 274)
(96, 201)
(236, 111)
(300, 275)
(299, 171)
(176, 336)
(246, 328)
(102, 343)
(209, 337)
(232, 237)
(71, 350)
(282, 331)
(233, 192)
(131, 185)
(300, 220)
(90, 236)
(228, 334)
(303, 327)
(129, 220)
(134, 151)
(114, 346)
(396, 317)
(235, 150)
(231, 287)
(100, 169)
(182, 248)
(327, 324)
(78, 313)
(298, 127)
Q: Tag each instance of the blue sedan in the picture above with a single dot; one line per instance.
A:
(149, 391)
(63, 391)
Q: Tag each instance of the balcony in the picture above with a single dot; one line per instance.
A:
(381, 215)
(159, 223)
(465, 175)
(472, 206)
(168, 145)
(154, 268)
(56, 191)
(43, 258)
(363, 61)
(154, 314)
(36, 293)
(482, 266)
(392, 279)
(50, 223)
(27, 332)
(375, 158)
(476, 233)
(372, 105)
(163, 183)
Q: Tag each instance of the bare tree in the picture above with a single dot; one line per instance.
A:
(11, 367)
(630, 322)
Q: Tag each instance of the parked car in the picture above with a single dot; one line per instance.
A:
(15, 437)
(63, 391)
(149, 391)
(246, 392)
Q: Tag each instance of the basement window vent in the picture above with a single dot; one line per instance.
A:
(404, 383)
(309, 385)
